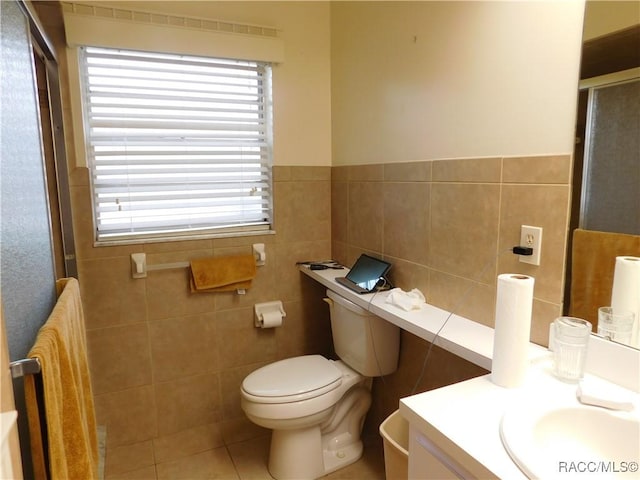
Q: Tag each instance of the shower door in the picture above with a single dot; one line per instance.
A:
(611, 178)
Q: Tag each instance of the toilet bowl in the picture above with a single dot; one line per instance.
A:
(315, 406)
(299, 398)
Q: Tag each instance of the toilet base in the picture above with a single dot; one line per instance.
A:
(335, 460)
(289, 457)
(312, 452)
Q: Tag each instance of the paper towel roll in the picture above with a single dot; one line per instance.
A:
(271, 319)
(514, 303)
(625, 293)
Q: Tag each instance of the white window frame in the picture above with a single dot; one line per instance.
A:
(146, 231)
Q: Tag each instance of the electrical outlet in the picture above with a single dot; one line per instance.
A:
(531, 237)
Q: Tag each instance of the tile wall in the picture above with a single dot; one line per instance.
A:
(447, 227)
(166, 364)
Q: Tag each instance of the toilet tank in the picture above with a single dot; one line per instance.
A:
(364, 341)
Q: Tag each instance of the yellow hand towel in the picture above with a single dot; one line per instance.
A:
(222, 274)
(232, 287)
(592, 267)
(70, 416)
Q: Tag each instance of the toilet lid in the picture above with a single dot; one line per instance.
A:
(293, 376)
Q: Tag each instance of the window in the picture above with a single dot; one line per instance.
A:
(177, 145)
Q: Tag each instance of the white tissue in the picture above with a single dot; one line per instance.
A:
(271, 319)
(407, 301)
(593, 391)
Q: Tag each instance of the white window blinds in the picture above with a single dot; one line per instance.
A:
(177, 145)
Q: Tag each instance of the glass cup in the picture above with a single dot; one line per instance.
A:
(571, 337)
(616, 325)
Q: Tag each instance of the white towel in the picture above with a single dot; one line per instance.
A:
(593, 391)
(407, 301)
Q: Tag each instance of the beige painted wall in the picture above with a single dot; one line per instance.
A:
(301, 84)
(435, 80)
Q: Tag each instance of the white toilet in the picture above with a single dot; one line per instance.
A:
(315, 406)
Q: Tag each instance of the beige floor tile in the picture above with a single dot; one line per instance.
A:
(147, 473)
(135, 457)
(251, 458)
(212, 464)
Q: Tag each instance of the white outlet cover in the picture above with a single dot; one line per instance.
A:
(536, 232)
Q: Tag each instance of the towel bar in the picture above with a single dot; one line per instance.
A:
(21, 369)
(26, 366)
(140, 267)
(167, 266)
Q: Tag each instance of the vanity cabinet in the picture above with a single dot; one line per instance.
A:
(454, 432)
(429, 462)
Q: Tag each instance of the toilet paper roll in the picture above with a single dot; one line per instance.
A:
(625, 292)
(514, 303)
(271, 319)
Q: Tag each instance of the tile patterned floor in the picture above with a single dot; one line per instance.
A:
(248, 461)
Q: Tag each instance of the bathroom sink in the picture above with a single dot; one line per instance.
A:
(551, 441)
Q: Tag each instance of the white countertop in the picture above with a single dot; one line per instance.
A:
(468, 414)
(460, 336)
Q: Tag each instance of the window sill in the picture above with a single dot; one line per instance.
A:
(180, 238)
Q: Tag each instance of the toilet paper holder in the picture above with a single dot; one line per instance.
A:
(267, 307)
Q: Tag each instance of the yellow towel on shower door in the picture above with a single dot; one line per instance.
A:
(222, 274)
(70, 415)
(592, 268)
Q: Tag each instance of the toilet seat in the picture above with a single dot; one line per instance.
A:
(292, 380)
